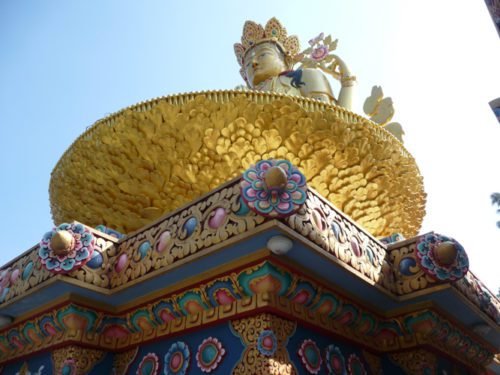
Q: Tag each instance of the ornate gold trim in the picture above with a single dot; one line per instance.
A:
(252, 360)
(83, 359)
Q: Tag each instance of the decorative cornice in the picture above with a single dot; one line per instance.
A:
(264, 285)
(185, 233)
(410, 277)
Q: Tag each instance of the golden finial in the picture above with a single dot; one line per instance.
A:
(275, 178)
(445, 253)
(62, 242)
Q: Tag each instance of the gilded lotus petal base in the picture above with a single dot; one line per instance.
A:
(144, 161)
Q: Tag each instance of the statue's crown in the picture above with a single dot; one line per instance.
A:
(254, 34)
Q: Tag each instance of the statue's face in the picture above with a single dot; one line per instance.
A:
(262, 62)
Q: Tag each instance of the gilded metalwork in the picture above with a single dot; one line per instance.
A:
(84, 359)
(409, 276)
(252, 360)
(158, 156)
(416, 362)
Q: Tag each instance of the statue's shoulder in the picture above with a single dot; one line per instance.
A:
(313, 75)
(315, 82)
(311, 72)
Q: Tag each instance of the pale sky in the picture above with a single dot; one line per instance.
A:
(65, 65)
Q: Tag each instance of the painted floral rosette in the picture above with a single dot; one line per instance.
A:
(319, 52)
(428, 256)
(335, 362)
(77, 251)
(149, 365)
(177, 359)
(267, 343)
(209, 354)
(355, 366)
(310, 356)
(273, 188)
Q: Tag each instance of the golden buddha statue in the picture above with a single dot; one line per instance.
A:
(267, 56)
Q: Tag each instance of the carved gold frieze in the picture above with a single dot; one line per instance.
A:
(415, 361)
(74, 359)
(27, 271)
(265, 337)
(216, 221)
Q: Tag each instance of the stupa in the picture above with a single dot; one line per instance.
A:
(267, 229)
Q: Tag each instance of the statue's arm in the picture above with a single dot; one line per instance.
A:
(347, 81)
(318, 87)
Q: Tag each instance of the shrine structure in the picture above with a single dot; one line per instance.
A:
(261, 230)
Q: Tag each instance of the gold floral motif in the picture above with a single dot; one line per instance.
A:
(252, 361)
(180, 244)
(158, 156)
(315, 222)
(415, 361)
(85, 359)
(408, 283)
(123, 360)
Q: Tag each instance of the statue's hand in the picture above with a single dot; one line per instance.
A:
(338, 69)
(334, 69)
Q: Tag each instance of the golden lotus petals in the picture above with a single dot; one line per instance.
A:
(145, 161)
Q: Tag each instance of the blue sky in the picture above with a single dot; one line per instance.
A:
(64, 65)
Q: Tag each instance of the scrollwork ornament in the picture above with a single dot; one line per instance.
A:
(182, 234)
(253, 361)
(331, 230)
(415, 362)
(409, 276)
(82, 360)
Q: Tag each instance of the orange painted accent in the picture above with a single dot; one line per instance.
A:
(265, 284)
